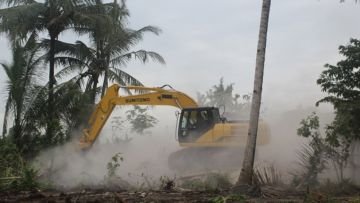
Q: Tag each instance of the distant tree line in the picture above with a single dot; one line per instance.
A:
(222, 96)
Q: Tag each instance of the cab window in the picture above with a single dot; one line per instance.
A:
(184, 120)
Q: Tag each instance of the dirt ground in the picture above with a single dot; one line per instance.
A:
(156, 196)
(103, 196)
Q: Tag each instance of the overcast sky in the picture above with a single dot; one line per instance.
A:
(205, 40)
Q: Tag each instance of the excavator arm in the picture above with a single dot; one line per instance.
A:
(148, 96)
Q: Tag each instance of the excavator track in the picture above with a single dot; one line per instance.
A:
(194, 159)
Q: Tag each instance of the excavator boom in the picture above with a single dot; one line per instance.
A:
(146, 96)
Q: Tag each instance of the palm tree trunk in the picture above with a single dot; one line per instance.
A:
(51, 89)
(93, 90)
(7, 108)
(17, 128)
(105, 60)
(246, 173)
(19, 108)
(105, 84)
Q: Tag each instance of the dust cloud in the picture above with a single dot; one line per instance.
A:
(145, 157)
(71, 168)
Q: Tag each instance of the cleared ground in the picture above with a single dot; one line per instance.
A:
(160, 196)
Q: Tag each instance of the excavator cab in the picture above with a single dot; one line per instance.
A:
(194, 122)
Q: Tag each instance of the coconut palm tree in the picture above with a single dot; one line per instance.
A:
(248, 162)
(70, 102)
(109, 50)
(118, 43)
(20, 75)
(52, 16)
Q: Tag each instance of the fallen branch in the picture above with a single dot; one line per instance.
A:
(10, 178)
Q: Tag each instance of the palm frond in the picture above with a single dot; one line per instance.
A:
(84, 52)
(123, 78)
(141, 55)
(18, 21)
(16, 2)
(153, 29)
(70, 61)
(66, 71)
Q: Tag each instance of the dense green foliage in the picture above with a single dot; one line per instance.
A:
(15, 173)
(52, 17)
(41, 113)
(341, 82)
(58, 108)
(20, 74)
(109, 50)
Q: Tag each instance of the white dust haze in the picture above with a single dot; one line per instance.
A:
(146, 156)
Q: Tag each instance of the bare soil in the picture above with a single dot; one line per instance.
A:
(104, 196)
(155, 196)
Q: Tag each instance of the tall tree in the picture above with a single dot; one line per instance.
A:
(20, 75)
(110, 50)
(342, 83)
(70, 102)
(248, 162)
(52, 16)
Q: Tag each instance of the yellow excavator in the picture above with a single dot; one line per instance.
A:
(201, 130)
